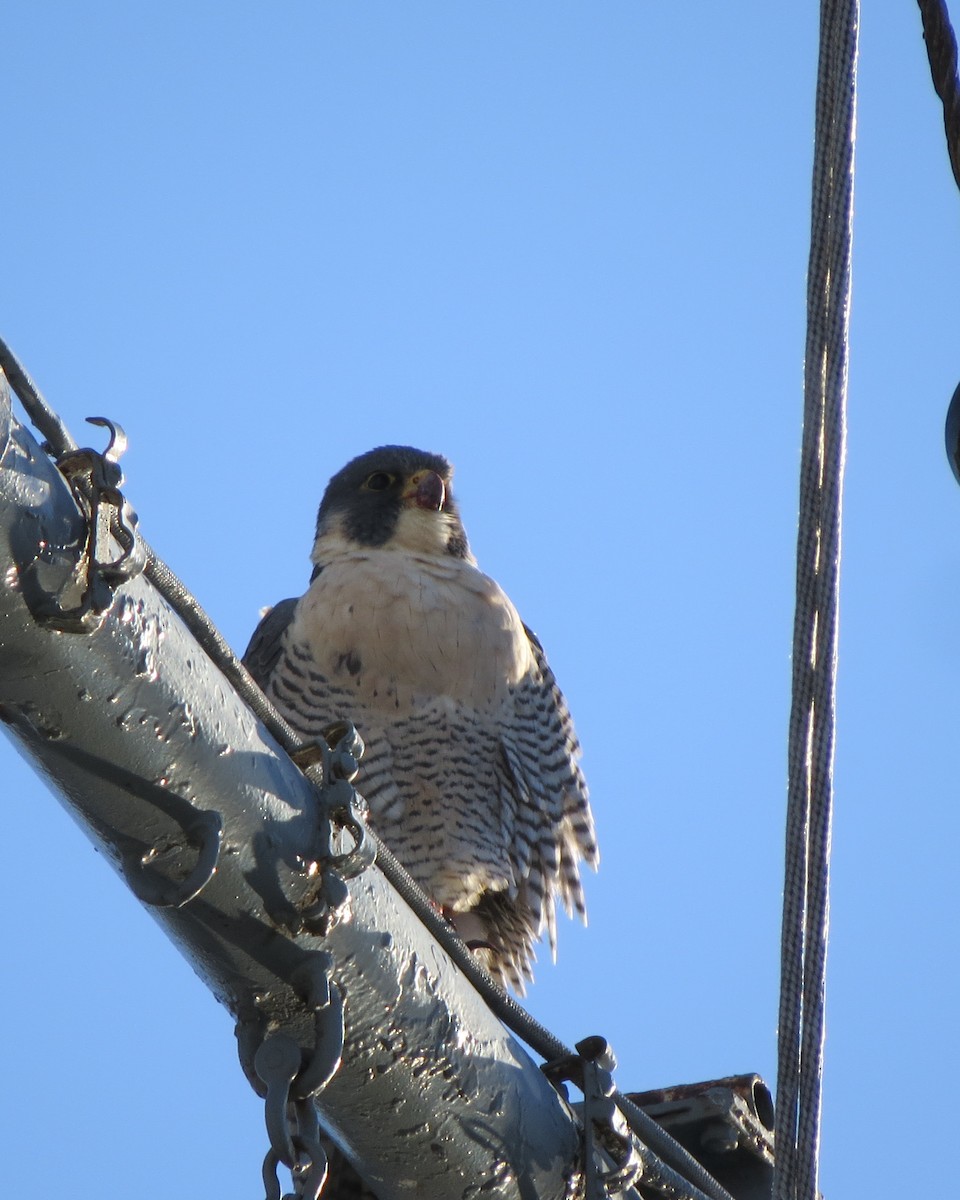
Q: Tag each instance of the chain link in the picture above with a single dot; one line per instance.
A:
(331, 764)
(293, 1077)
(289, 1110)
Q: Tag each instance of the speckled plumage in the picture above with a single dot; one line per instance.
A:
(471, 765)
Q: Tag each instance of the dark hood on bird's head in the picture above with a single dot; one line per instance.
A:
(367, 495)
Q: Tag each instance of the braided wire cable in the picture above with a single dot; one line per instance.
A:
(942, 56)
(813, 711)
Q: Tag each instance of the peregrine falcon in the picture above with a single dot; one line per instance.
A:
(471, 769)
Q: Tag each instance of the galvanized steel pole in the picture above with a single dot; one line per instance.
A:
(151, 750)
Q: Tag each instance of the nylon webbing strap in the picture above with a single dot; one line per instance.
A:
(812, 716)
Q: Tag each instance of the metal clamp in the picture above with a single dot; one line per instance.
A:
(80, 602)
(604, 1128)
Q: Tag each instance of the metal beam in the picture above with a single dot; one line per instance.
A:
(182, 789)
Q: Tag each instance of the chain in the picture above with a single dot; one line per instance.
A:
(331, 765)
(291, 1116)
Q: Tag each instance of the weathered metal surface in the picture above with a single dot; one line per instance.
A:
(185, 793)
(727, 1124)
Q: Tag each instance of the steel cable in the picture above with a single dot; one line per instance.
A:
(813, 711)
(942, 56)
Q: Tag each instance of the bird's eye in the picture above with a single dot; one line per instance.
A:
(379, 481)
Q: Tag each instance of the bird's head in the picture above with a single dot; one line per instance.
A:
(393, 497)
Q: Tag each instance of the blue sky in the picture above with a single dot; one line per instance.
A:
(565, 245)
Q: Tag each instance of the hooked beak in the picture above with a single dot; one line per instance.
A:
(427, 491)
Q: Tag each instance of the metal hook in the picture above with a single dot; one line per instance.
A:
(205, 831)
(118, 443)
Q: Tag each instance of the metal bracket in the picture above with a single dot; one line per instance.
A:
(726, 1124)
(80, 601)
(605, 1130)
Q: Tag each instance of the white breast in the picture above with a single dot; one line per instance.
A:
(405, 628)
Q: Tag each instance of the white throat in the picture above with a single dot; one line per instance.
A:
(418, 531)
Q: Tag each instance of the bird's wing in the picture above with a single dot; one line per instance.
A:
(286, 671)
(263, 653)
(552, 822)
